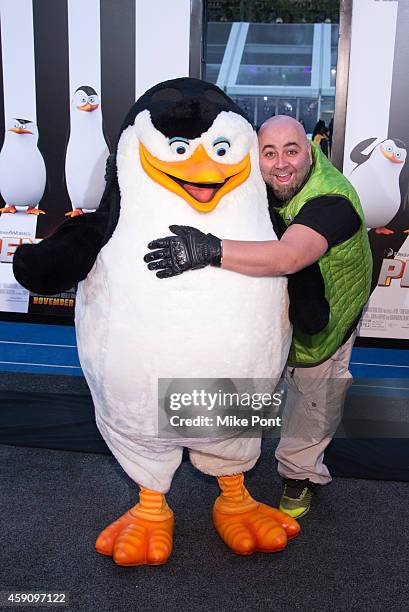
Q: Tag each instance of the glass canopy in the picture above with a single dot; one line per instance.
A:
(270, 68)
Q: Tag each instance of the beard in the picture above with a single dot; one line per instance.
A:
(285, 192)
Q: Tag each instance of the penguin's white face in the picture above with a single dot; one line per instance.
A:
(22, 127)
(392, 152)
(84, 102)
(200, 170)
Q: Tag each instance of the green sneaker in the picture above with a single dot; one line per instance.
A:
(296, 497)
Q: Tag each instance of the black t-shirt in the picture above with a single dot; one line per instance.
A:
(333, 217)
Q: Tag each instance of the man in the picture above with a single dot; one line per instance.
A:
(324, 250)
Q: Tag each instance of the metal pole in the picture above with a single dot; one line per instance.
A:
(341, 85)
(198, 23)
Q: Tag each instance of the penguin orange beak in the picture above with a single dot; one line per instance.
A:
(199, 180)
(391, 157)
(19, 131)
(88, 107)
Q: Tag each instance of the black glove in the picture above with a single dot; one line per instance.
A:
(189, 249)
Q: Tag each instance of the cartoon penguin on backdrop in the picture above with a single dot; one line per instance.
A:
(186, 153)
(87, 152)
(376, 179)
(22, 168)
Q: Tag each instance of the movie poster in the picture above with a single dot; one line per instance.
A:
(70, 71)
(376, 155)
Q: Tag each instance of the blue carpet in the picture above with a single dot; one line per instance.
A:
(52, 349)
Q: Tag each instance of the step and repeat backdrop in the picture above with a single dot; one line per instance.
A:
(69, 72)
(376, 155)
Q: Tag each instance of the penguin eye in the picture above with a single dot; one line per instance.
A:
(91, 100)
(83, 100)
(398, 154)
(16, 125)
(389, 149)
(221, 146)
(179, 145)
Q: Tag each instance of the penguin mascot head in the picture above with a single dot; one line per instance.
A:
(189, 139)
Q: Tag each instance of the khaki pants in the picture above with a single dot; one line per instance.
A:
(312, 413)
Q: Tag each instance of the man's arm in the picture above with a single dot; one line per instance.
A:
(191, 249)
(299, 247)
(321, 224)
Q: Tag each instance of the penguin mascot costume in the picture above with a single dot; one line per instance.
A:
(186, 152)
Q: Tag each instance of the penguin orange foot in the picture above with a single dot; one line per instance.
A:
(143, 535)
(35, 211)
(247, 526)
(8, 209)
(74, 213)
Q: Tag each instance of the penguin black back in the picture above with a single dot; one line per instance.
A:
(183, 107)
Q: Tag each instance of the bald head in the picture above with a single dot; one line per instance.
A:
(283, 123)
(285, 155)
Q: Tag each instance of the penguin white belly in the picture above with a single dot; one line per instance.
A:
(22, 175)
(133, 328)
(85, 169)
(380, 197)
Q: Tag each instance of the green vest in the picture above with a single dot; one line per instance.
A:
(346, 268)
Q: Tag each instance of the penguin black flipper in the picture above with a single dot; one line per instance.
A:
(356, 154)
(65, 258)
(59, 262)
